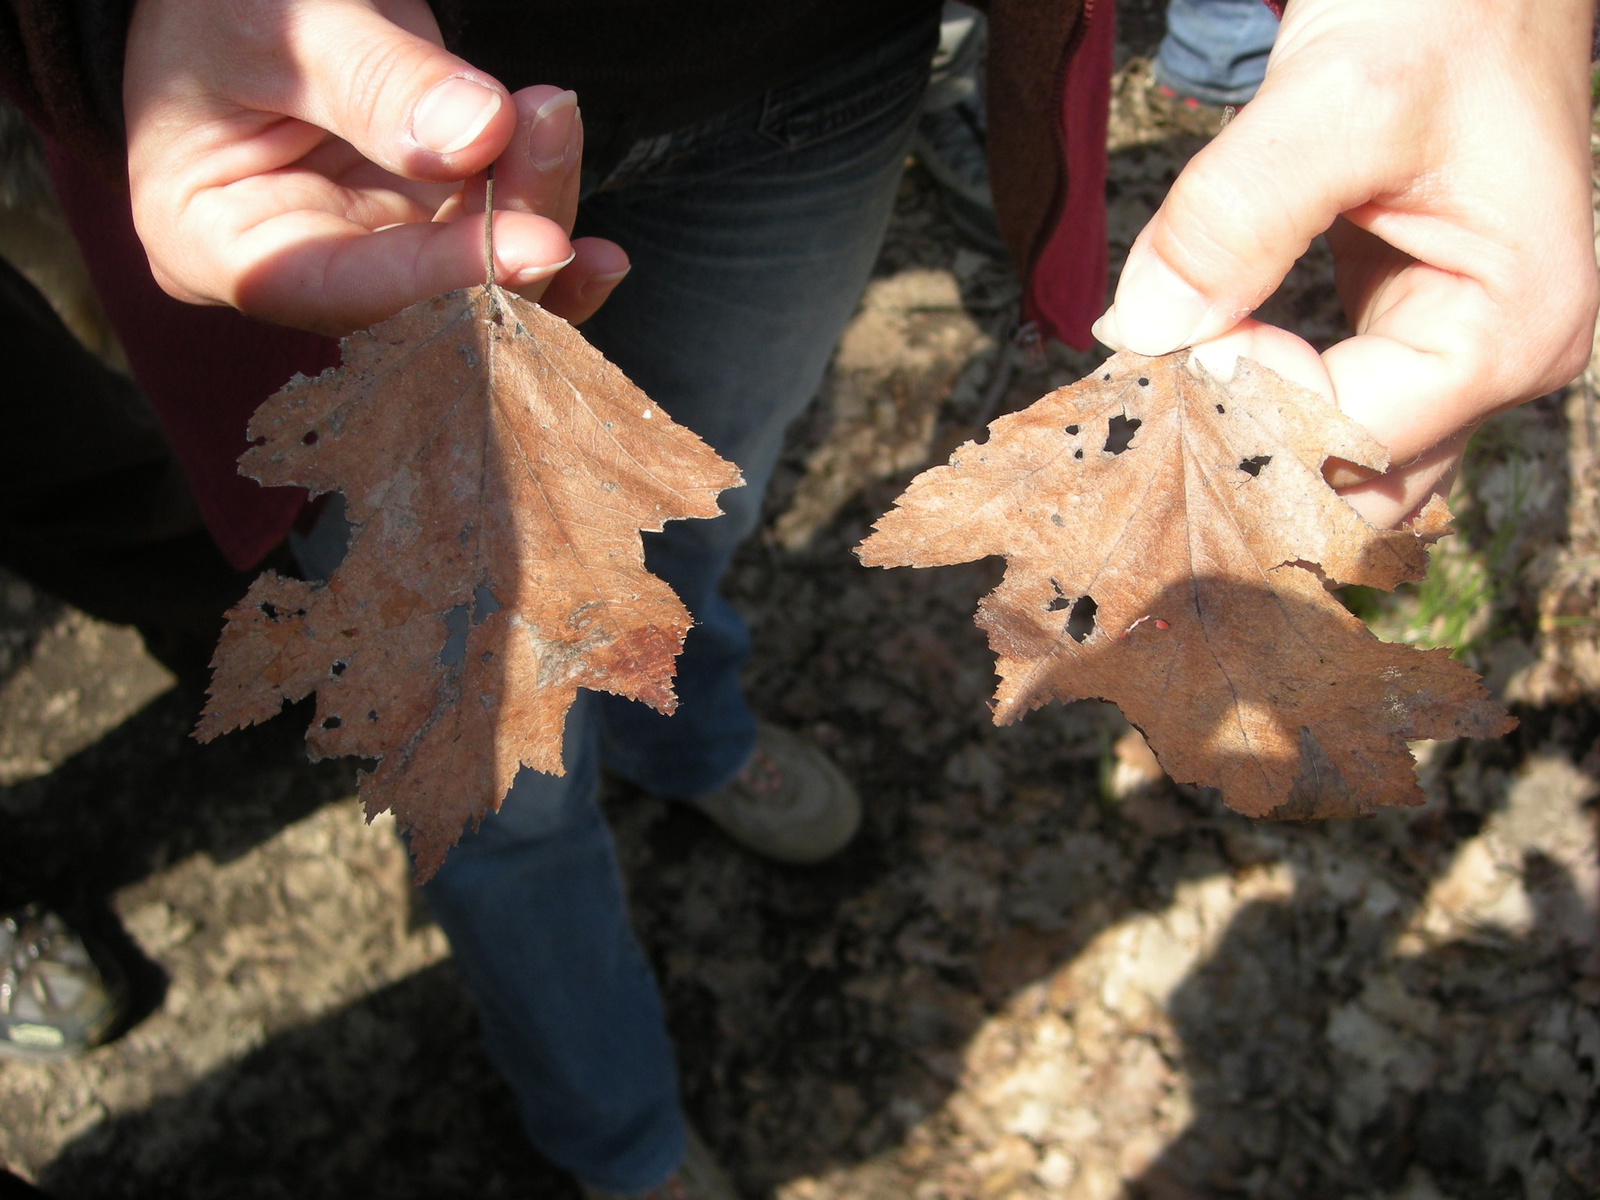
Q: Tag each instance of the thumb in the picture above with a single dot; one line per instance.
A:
(1232, 225)
(381, 82)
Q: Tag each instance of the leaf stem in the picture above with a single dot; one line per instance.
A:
(488, 229)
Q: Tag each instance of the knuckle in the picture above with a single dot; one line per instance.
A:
(1222, 213)
(373, 73)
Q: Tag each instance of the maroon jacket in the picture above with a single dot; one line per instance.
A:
(205, 370)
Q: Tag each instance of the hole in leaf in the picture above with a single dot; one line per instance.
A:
(1106, 377)
(1144, 381)
(1060, 602)
(1120, 434)
(1252, 466)
(270, 611)
(455, 636)
(1080, 623)
(338, 668)
(1077, 454)
(1220, 409)
(486, 656)
(331, 722)
(483, 605)
(1070, 430)
(310, 438)
(372, 714)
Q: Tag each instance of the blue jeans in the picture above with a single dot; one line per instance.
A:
(751, 237)
(1216, 50)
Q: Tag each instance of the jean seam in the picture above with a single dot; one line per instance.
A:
(798, 126)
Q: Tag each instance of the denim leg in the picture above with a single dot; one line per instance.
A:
(1216, 50)
(751, 237)
(534, 908)
(751, 246)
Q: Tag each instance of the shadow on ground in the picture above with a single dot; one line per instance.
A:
(388, 1097)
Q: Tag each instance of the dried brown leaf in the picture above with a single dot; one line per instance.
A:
(496, 471)
(1167, 540)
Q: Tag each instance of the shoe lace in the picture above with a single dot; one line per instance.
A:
(11, 968)
(30, 938)
(27, 942)
(760, 776)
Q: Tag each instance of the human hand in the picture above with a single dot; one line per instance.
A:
(302, 160)
(1444, 146)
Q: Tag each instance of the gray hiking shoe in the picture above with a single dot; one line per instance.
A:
(55, 999)
(698, 1178)
(789, 802)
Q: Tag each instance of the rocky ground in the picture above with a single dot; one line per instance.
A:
(1038, 973)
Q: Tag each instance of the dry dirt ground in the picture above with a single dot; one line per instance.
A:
(1036, 974)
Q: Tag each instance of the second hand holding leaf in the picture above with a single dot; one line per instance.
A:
(1444, 147)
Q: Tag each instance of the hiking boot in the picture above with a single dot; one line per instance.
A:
(789, 802)
(56, 999)
(697, 1178)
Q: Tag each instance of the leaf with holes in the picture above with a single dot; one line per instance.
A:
(1167, 538)
(496, 473)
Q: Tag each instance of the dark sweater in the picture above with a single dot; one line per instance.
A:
(642, 67)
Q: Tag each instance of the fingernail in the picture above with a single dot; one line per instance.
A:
(550, 132)
(1105, 329)
(533, 274)
(599, 284)
(453, 113)
(1157, 311)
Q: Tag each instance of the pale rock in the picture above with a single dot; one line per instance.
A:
(1344, 877)
(1077, 1125)
(1386, 996)
(312, 881)
(975, 767)
(1156, 953)
(1056, 1170)
(1096, 1180)
(158, 927)
(958, 892)
(1380, 900)
(1377, 1045)
(1031, 1119)
(1006, 1163)
(1476, 891)
(1544, 807)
